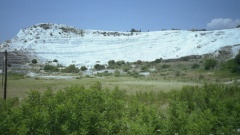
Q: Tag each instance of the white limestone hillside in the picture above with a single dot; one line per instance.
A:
(70, 45)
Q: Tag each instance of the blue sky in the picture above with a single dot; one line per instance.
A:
(119, 15)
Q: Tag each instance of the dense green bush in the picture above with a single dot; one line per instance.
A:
(55, 60)
(99, 67)
(236, 69)
(139, 62)
(83, 68)
(207, 109)
(111, 64)
(50, 68)
(232, 65)
(158, 60)
(144, 68)
(120, 63)
(133, 73)
(117, 73)
(165, 66)
(75, 110)
(126, 67)
(210, 109)
(34, 61)
(210, 64)
(71, 69)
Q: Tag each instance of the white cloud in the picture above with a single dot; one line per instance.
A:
(221, 23)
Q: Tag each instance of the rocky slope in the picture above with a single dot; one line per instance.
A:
(70, 45)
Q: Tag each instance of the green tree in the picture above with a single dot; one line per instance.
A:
(139, 62)
(111, 64)
(120, 63)
(99, 67)
(158, 60)
(34, 61)
(55, 60)
(83, 68)
(210, 63)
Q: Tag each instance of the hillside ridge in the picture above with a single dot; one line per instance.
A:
(70, 45)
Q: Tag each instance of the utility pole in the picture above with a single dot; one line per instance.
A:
(5, 76)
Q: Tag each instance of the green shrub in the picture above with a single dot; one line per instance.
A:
(99, 67)
(117, 73)
(51, 68)
(195, 66)
(210, 109)
(236, 69)
(158, 60)
(231, 65)
(138, 62)
(75, 110)
(111, 64)
(71, 69)
(144, 68)
(55, 60)
(34, 61)
(120, 63)
(134, 73)
(210, 64)
(126, 68)
(83, 68)
(165, 66)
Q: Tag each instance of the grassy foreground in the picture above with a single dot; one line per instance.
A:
(19, 87)
(207, 109)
